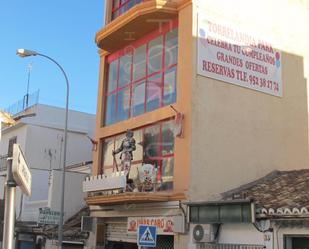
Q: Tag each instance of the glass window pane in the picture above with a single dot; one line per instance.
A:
(108, 147)
(138, 99)
(139, 63)
(167, 171)
(134, 175)
(115, 3)
(168, 138)
(170, 86)
(171, 47)
(155, 55)
(138, 153)
(122, 9)
(246, 213)
(110, 110)
(230, 214)
(123, 104)
(154, 92)
(130, 4)
(151, 144)
(209, 214)
(125, 70)
(112, 76)
(115, 14)
(118, 141)
(194, 214)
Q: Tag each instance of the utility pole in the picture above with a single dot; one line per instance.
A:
(9, 213)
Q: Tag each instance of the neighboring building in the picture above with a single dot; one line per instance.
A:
(41, 138)
(239, 111)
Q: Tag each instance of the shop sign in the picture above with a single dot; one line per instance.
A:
(48, 216)
(238, 57)
(165, 225)
(20, 170)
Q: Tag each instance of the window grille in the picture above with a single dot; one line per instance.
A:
(228, 246)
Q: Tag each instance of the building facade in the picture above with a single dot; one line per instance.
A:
(214, 99)
(41, 138)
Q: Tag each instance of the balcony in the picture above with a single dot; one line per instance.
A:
(136, 22)
(115, 189)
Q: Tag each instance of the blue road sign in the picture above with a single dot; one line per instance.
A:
(147, 236)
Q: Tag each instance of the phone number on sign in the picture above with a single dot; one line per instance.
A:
(261, 82)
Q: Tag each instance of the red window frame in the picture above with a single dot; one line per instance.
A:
(122, 3)
(129, 50)
(159, 159)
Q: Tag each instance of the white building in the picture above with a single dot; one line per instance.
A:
(41, 138)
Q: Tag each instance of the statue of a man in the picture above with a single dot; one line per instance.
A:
(127, 146)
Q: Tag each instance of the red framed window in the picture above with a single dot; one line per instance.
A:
(121, 6)
(142, 77)
(154, 145)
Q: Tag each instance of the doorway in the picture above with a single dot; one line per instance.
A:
(297, 242)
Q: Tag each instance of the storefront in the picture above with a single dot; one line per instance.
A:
(119, 228)
(121, 233)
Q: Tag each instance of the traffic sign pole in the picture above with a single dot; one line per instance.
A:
(9, 212)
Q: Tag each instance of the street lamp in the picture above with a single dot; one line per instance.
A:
(25, 53)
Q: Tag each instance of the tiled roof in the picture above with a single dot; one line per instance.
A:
(283, 190)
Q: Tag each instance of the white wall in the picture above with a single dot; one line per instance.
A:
(74, 197)
(45, 144)
(50, 116)
(41, 138)
(20, 131)
(39, 195)
(240, 234)
(238, 134)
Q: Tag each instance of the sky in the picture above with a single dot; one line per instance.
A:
(62, 29)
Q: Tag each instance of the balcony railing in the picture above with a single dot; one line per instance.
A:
(117, 183)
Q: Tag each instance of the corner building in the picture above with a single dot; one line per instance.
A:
(206, 119)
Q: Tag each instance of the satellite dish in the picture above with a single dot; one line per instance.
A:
(263, 225)
(198, 233)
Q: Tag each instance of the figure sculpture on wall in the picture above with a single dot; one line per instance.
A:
(126, 148)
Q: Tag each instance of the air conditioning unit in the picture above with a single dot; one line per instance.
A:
(203, 233)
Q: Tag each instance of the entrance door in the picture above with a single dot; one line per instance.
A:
(120, 245)
(165, 242)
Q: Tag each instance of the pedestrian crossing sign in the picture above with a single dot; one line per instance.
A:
(147, 236)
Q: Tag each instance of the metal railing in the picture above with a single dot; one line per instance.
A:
(21, 105)
(228, 246)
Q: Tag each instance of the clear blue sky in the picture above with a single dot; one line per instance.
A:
(62, 29)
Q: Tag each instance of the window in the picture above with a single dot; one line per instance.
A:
(154, 145)
(121, 6)
(143, 78)
(221, 213)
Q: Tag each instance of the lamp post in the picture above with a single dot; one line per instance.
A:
(25, 53)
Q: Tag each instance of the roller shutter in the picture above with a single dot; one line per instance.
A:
(116, 230)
